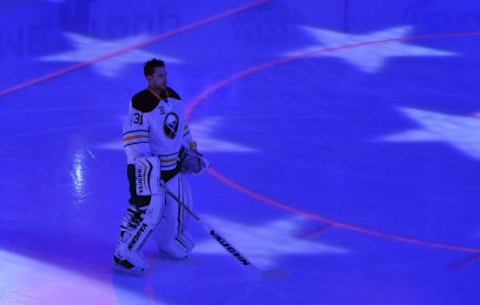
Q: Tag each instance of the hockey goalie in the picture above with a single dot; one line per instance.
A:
(160, 152)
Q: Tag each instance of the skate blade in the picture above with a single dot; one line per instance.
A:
(131, 271)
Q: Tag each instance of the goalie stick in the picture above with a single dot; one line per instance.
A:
(281, 273)
(212, 232)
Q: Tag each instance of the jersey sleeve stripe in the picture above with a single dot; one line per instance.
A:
(166, 155)
(134, 131)
(168, 160)
(192, 145)
(169, 166)
(126, 139)
(142, 142)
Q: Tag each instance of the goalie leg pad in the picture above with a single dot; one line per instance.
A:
(135, 200)
(149, 219)
(171, 235)
(147, 176)
(137, 226)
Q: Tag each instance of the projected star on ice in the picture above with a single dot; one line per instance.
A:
(264, 243)
(87, 48)
(460, 132)
(369, 58)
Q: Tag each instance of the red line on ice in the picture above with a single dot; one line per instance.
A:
(336, 223)
(465, 261)
(315, 232)
(126, 49)
(196, 101)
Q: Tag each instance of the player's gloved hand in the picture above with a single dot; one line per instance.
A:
(193, 162)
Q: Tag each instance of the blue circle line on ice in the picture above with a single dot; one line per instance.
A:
(196, 101)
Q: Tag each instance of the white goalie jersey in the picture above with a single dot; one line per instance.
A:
(156, 126)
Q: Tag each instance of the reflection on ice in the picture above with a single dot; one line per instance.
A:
(78, 174)
(28, 281)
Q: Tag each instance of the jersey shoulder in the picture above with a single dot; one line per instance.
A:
(173, 94)
(145, 101)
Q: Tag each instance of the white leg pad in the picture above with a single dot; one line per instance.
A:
(147, 176)
(170, 235)
(127, 253)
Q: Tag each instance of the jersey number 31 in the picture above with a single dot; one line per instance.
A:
(138, 119)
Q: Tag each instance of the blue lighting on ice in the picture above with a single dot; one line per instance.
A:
(343, 137)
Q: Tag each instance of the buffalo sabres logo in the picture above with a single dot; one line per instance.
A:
(170, 125)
